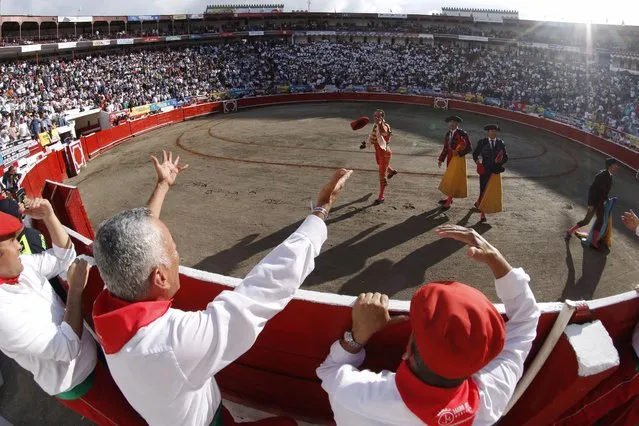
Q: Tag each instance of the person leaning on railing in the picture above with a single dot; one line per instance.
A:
(462, 362)
(164, 359)
(45, 336)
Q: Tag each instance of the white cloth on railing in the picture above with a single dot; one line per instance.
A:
(32, 327)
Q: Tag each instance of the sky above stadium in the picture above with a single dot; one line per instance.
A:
(611, 11)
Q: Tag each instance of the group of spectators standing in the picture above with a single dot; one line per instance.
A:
(462, 360)
(567, 84)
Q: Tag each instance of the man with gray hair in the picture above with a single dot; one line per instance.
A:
(164, 359)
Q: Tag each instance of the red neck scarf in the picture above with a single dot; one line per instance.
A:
(116, 321)
(437, 406)
(10, 280)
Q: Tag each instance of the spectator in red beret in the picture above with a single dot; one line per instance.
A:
(462, 361)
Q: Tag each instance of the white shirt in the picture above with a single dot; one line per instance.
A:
(32, 327)
(637, 231)
(367, 398)
(166, 370)
(23, 130)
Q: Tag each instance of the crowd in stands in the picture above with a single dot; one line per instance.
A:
(32, 96)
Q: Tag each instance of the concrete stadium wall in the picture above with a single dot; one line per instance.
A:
(278, 373)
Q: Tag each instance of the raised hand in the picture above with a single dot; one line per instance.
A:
(370, 315)
(168, 170)
(630, 220)
(37, 208)
(329, 193)
(479, 249)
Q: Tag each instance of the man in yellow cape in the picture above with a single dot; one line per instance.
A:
(457, 144)
(492, 151)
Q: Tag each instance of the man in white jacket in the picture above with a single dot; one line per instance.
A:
(462, 362)
(164, 359)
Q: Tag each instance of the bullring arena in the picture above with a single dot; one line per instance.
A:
(253, 173)
(258, 102)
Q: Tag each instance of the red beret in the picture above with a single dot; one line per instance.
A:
(457, 330)
(481, 169)
(9, 225)
(360, 123)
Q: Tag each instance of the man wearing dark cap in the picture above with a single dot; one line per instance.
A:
(457, 144)
(31, 240)
(597, 197)
(462, 362)
(492, 151)
(380, 138)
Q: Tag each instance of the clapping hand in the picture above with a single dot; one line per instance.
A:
(168, 170)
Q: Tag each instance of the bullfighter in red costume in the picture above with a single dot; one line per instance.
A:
(380, 138)
(457, 144)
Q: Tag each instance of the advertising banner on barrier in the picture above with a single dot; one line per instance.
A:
(241, 93)
(427, 36)
(352, 88)
(138, 18)
(75, 19)
(151, 39)
(196, 16)
(140, 110)
(126, 41)
(256, 33)
(219, 95)
(31, 48)
(101, 42)
(196, 36)
(67, 45)
(301, 88)
(179, 17)
(173, 38)
(55, 137)
(227, 34)
(374, 89)
(160, 105)
(44, 139)
(13, 151)
(283, 89)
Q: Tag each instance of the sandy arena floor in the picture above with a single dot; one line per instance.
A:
(253, 173)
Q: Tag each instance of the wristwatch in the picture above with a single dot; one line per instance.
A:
(348, 338)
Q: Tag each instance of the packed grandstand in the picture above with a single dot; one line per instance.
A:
(503, 62)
